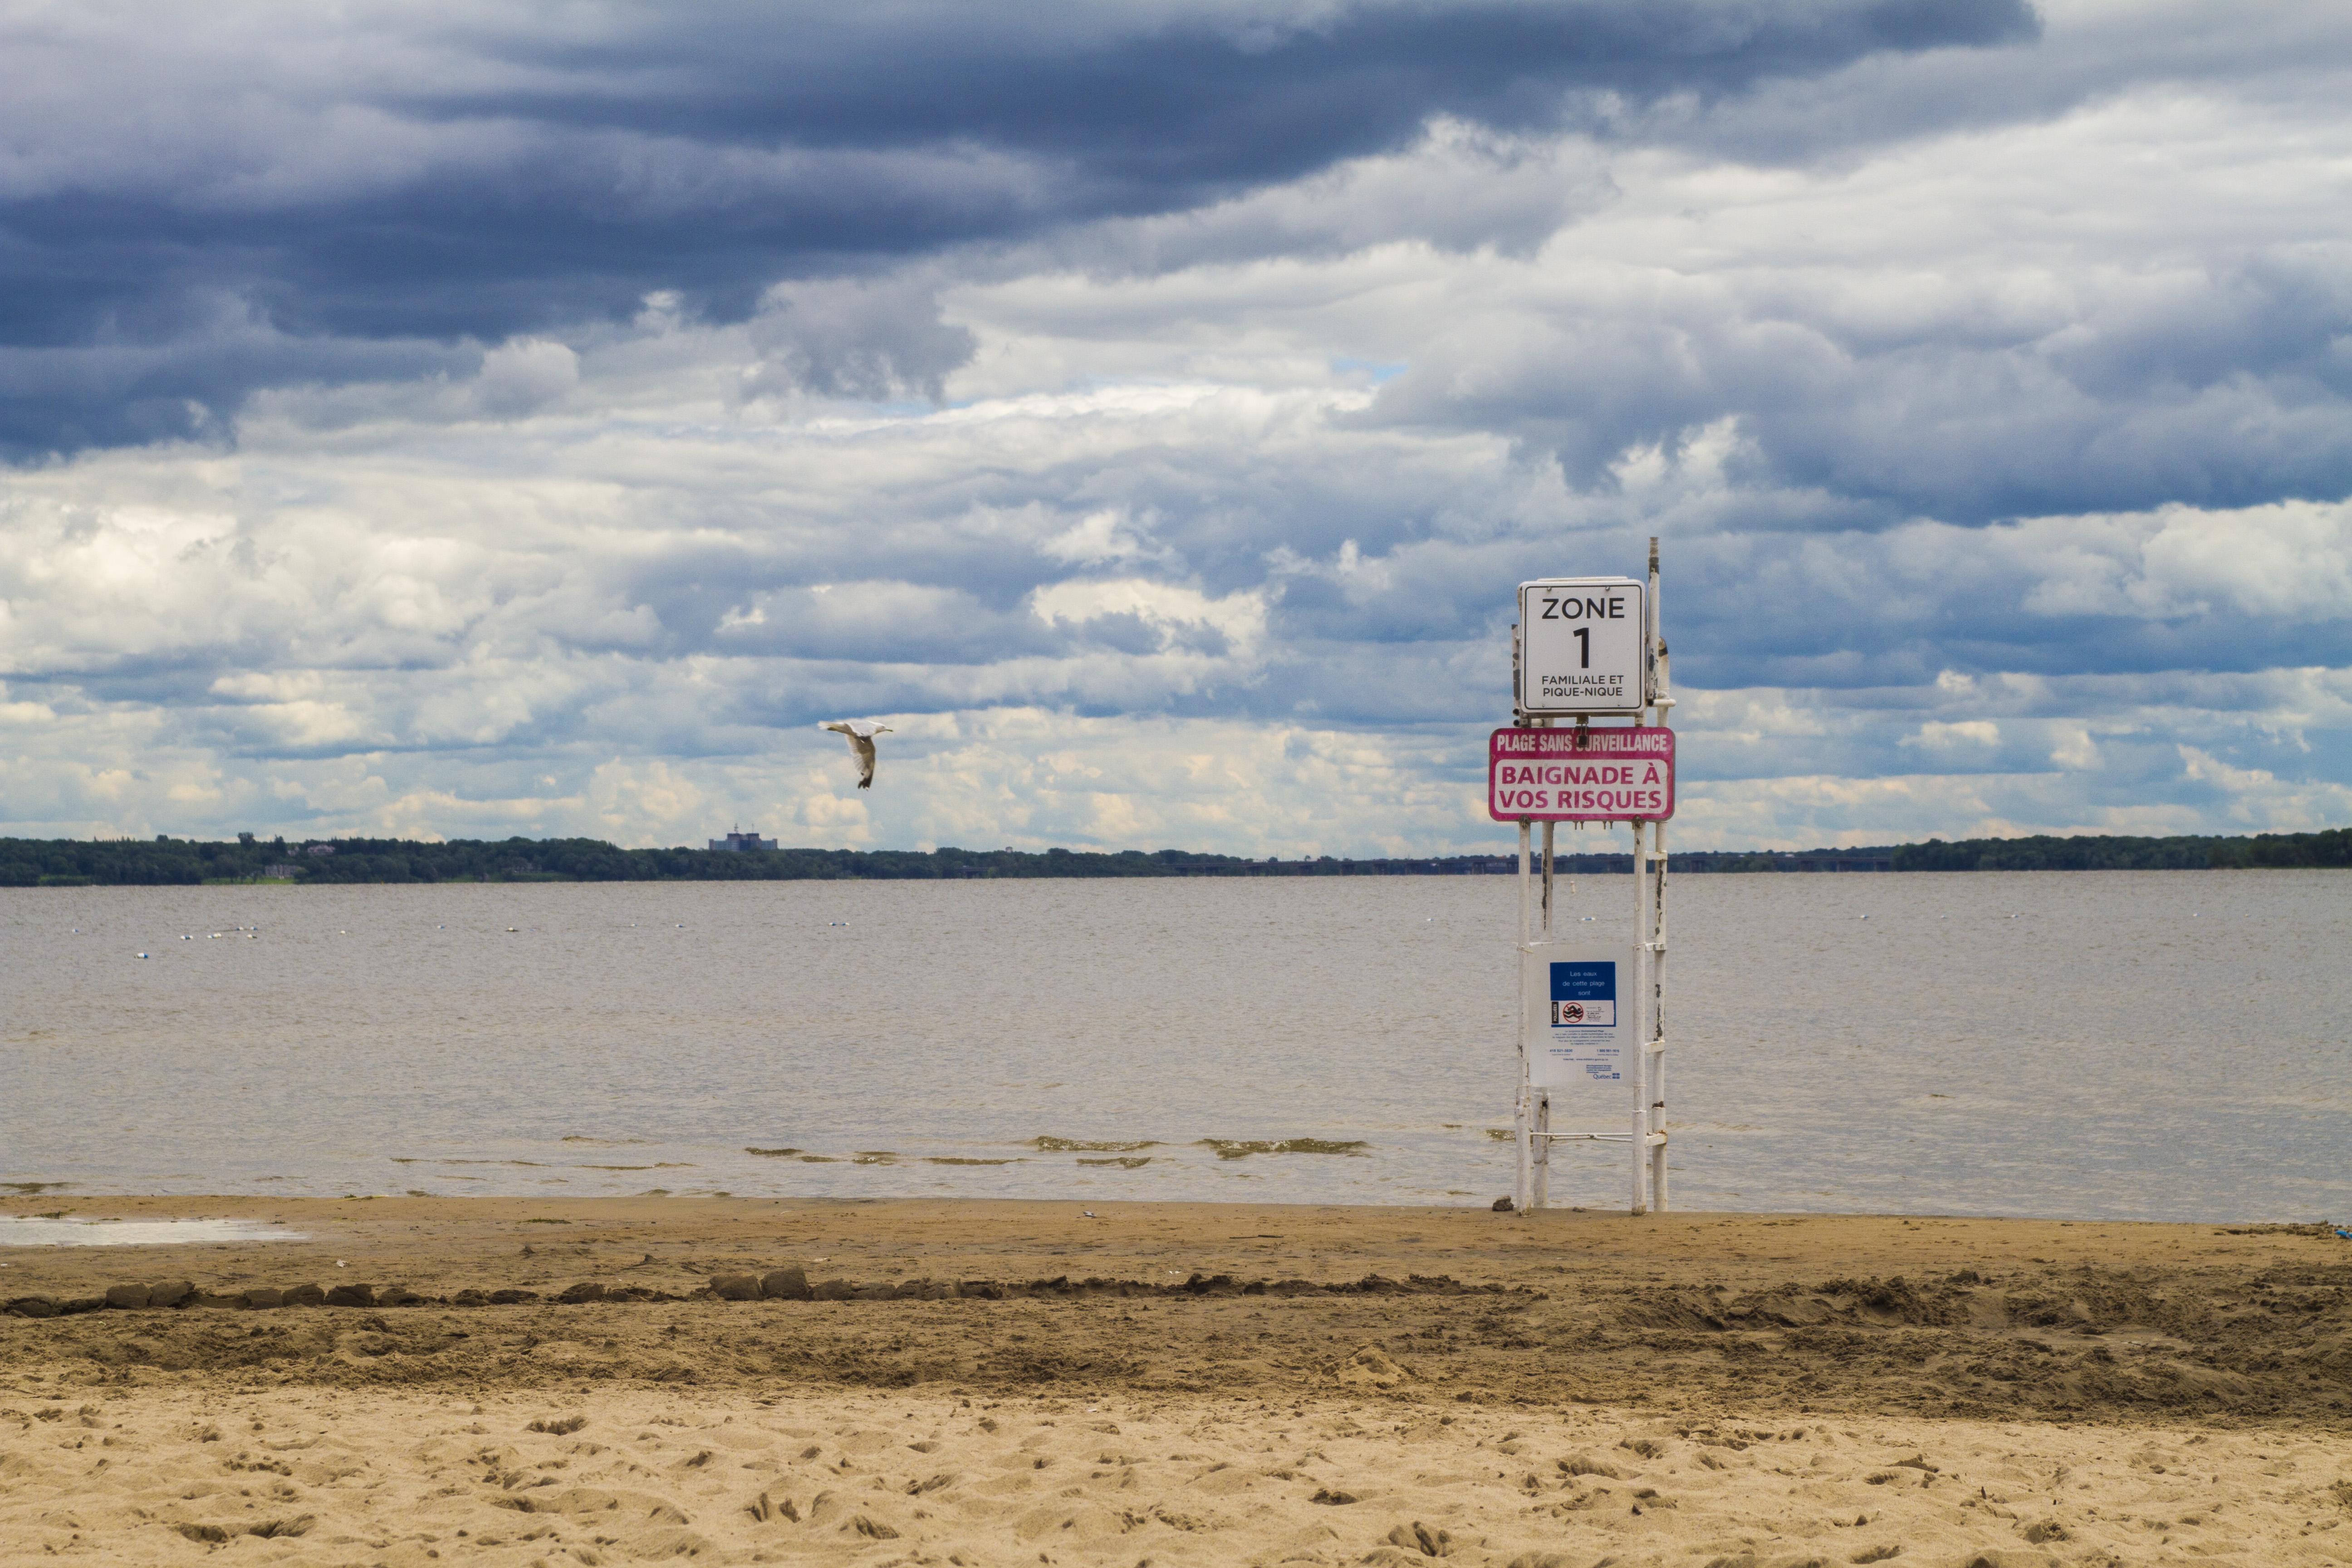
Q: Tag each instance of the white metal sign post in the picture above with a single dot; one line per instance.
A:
(1591, 1020)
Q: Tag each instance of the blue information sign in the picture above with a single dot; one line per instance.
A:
(1572, 1022)
(1584, 994)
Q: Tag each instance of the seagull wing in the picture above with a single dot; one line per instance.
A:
(860, 733)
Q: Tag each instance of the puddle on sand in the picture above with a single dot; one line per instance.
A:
(137, 1232)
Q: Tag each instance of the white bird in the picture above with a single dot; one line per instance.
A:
(861, 734)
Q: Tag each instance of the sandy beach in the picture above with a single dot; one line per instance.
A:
(1001, 1382)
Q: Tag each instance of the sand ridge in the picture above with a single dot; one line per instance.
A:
(1969, 1317)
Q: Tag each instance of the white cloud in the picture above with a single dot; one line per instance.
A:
(2075, 749)
(1240, 618)
(1100, 539)
(2290, 561)
(524, 375)
(1937, 736)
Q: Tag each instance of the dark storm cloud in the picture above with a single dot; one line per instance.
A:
(402, 181)
(186, 386)
(1170, 110)
(1861, 613)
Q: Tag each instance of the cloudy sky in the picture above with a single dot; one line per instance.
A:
(425, 421)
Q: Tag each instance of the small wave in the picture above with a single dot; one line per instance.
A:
(581, 1138)
(1241, 1149)
(1090, 1145)
(1501, 1134)
(962, 1160)
(873, 1157)
(771, 1153)
(30, 1189)
(657, 1165)
(1123, 1162)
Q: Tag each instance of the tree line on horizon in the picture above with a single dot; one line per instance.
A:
(69, 862)
(167, 861)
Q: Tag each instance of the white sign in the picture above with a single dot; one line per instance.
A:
(1581, 641)
(1579, 1007)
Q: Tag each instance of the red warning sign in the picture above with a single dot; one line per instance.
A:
(1616, 774)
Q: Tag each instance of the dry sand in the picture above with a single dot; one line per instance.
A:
(1184, 1385)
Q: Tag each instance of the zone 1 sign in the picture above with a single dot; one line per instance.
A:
(1581, 641)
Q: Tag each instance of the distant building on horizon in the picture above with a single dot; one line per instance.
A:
(740, 840)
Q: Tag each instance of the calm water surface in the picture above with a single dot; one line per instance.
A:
(2160, 1046)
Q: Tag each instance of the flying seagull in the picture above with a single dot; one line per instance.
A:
(861, 734)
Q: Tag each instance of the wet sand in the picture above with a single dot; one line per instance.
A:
(1012, 1383)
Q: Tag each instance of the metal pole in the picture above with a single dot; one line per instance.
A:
(1540, 1150)
(1540, 1190)
(1661, 701)
(1549, 827)
(1524, 841)
(1519, 980)
(1640, 1014)
(1658, 1026)
(1655, 645)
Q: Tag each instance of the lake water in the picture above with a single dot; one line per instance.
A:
(2159, 1045)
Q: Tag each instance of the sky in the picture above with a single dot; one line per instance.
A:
(424, 421)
